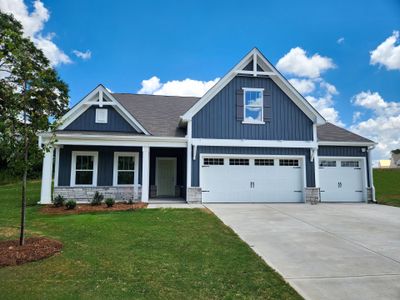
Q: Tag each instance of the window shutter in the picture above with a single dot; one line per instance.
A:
(239, 105)
(267, 106)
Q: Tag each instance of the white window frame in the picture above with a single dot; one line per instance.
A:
(100, 112)
(261, 90)
(135, 155)
(95, 155)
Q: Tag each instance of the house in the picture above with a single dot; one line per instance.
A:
(384, 163)
(395, 159)
(251, 138)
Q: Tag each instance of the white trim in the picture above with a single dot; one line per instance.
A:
(135, 155)
(145, 173)
(56, 166)
(361, 144)
(95, 155)
(247, 121)
(100, 91)
(316, 168)
(158, 158)
(291, 92)
(364, 168)
(115, 140)
(371, 173)
(254, 143)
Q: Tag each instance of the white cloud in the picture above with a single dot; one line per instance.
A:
(83, 55)
(303, 86)
(383, 126)
(340, 40)
(356, 116)
(33, 25)
(297, 62)
(388, 53)
(186, 87)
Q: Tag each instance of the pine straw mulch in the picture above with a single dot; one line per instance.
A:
(85, 208)
(35, 248)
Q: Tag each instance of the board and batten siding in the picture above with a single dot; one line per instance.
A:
(105, 163)
(349, 151)
(253, 151)
(218, 118)
(86, 122)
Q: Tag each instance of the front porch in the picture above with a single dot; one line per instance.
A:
(124, 173)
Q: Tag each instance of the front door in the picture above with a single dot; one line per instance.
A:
(166, 176)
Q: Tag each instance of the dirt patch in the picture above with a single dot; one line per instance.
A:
(36, 248)
(85, 208)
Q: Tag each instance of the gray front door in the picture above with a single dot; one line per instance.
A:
(166, 176)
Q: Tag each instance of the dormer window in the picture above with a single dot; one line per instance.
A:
(253, 106)
(101, 115)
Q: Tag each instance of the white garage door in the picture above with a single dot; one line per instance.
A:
(341, 180)
(245, 179)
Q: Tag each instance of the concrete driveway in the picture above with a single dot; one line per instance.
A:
(325, 251)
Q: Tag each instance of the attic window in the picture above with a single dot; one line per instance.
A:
(253, 104)
(101, 115)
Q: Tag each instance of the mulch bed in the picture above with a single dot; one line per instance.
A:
(85, 208)
(35, 248)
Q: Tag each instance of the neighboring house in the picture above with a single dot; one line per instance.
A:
(384, 163)
(251, 138)
(395, 160)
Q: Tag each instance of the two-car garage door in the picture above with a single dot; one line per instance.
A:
(252, 179)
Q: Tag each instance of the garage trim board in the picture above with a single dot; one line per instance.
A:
(245, 178)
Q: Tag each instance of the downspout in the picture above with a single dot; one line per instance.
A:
(371, 176)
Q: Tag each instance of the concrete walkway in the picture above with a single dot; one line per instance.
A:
(325, 251)
(174, 205)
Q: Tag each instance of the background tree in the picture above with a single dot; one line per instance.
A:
(32, 99)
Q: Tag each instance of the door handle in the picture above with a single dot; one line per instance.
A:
(251, 184)
(339, 184)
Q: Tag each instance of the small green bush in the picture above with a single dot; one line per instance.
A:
(58, 201)
(70, 204)
(97, 199)
(109, 202)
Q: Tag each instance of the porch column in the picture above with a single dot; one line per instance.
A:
(316, 168)
(189, 156)
(47, 176)
(145, 173)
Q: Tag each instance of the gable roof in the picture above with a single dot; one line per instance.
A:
(332, 133)
(258, 61)
(158, 114)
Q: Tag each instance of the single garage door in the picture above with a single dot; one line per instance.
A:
(245, 179)
(341, 180)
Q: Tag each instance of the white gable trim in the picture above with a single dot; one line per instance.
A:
(270, 70)
(105, 98)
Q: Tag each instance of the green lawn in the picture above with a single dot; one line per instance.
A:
(387, 186)
(149, 254)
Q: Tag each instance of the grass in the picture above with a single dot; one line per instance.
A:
(149, 254)
(387, 186)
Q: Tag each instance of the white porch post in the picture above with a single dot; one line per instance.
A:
(145, 173)
(56, 165)
(47, 175)
(371, 174)
(316, 168)
(189, 156)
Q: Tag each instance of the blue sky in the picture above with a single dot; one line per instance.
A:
(132, 41)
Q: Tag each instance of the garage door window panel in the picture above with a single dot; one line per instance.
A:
(263, 162)
(213, 161)
(289, 162)
(327, 163)
(350, 164)
(238, 162)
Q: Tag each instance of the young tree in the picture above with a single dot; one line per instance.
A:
(32, 99)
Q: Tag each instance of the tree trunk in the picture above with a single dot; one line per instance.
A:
(24, 179)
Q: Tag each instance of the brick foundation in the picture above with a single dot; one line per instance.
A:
(312, 195)
(85, 194)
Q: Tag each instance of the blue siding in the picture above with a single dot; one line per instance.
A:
(344, 151)
(218, 118)
(105, 164)
(254, 151)
(86, 122)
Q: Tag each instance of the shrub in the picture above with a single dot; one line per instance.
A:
(130, 201)
(58, 201)
(70, 204)
(109, 202)
(97, 199)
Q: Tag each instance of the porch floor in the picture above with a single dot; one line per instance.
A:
(166, 200)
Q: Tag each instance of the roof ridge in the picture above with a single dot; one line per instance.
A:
(136, 94)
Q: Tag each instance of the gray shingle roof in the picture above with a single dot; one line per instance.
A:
(332, 133)
(159, 115)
